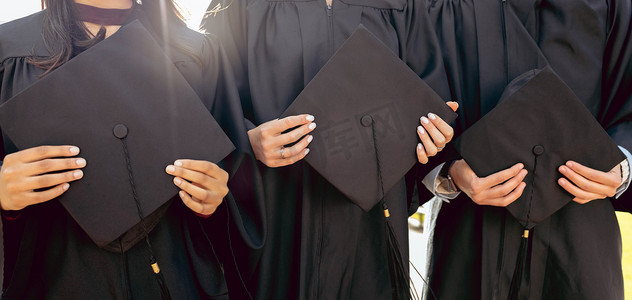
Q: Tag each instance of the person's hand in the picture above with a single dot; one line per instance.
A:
(588, 184)
(203, 185)
(434, 134)
(268, 140)
(498, 189)
(38, 174)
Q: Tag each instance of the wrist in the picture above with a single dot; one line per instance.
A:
(452, 170)
(447, 182)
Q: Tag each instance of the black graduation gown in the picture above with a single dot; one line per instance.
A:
(46, 253)
(575, 253)
(319, 244)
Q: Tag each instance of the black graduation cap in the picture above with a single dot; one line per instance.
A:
(367, 103)
(121, 102)
(541, 123)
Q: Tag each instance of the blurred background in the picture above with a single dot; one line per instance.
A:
(420, 223)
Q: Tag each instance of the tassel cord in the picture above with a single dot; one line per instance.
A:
(521, 260)
(434, 296)
(232, 252)
(152, 259)
(400, 280)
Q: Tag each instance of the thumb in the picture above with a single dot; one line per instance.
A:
(453, 105)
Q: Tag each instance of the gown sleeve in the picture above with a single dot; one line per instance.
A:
(422, 54)
(242, 212)
(227, 20)
(617, 84)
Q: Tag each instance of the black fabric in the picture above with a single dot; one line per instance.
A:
(576, 252)
(365, 98)
(319, 244)
(48, 255)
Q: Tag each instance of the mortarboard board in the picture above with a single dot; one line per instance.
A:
(125, 105)
(541, 123)
(367, 103)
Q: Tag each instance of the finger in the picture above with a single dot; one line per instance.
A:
(506, 188)
(43, 152)
(582, 201)
(292, 159)
(46, 195)
(510, 198)
(586, 184)
(581, 196)
(296, 134)
(197, 178)
(201, 166)
(501, 176)
(298, 148)
(197, 206)
(429, 146)
(421, 154)
(453, 105)
(48, 180)
(437, 137)
(591, 174)
(210, 195)
(52, 165)
(444, 128)
(291, 122)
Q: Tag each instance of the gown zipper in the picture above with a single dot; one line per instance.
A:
(317, 287)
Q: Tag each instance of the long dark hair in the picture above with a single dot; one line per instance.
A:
(65, 35)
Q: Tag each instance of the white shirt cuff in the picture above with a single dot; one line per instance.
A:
(433, 180)
(625, 173)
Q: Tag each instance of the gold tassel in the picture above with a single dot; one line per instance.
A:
(155, 267)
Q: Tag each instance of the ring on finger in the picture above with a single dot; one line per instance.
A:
(282, 152)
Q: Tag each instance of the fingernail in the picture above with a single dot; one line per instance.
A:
(420, 129)
(181, 193)
(309, 118)
(425, 120)
(178, 163)
(419, 146)
(77, 174)
(563, 169)
(569, 164)
(432, 116)
(65, 186)
(312, 126)
(74, 150)
(521, 166)
(177, 181)
(310, 138)
(80, 162)
(171, 169)
(306, 151)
